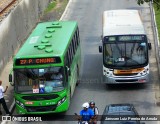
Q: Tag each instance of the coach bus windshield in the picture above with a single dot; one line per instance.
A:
(125, 54)
(43, 80)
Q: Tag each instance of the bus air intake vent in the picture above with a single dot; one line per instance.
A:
(126, 74)
(45, 41)
(48, 35)
(55, 25)
(40, 97)
(48, 50)
(125, 81)
(40, 108)
(51, 30)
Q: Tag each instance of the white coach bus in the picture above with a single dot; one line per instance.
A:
(124, 47)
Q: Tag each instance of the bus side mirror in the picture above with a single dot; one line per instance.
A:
(10, 79)
(100, 49)
(101, 37)
(149, 46)
(68, 71)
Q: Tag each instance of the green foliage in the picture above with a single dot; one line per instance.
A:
(157, 14)
(142, 1)
(51, 6)
(157, 2)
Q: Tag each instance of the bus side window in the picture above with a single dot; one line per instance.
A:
(75, 41)
(68, 58)
(73, 47)
(66, 65)
(77, 36)
(71, 53)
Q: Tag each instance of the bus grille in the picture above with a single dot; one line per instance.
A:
(40, 108)
(126, 74)
(40, 97)
(125, 81)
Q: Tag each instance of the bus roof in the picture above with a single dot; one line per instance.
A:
(48, 39)
(122, 22)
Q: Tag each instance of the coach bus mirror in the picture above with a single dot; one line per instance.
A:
(100, 49)
(101, 37)
(149, 46)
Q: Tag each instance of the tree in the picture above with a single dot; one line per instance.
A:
(157, 2)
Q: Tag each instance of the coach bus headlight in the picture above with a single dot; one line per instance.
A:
(61, 101)
(144, 72)
(20, 104)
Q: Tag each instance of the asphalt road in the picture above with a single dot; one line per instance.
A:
(88, 13)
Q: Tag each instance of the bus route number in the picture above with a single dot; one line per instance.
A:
(33, 61)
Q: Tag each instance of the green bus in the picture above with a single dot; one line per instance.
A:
(46, 68)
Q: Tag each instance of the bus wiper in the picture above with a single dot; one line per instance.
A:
(128, 58)
(120, 51)
(132, 49)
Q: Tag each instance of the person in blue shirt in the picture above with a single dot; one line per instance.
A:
(86, 114)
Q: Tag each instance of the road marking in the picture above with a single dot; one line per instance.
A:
(65, 10)
(12, 105)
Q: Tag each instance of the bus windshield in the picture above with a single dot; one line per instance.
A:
(39, 80)
(125, 54)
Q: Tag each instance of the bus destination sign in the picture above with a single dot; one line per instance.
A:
(34, 61)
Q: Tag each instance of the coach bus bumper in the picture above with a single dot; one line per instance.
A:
(121, 80)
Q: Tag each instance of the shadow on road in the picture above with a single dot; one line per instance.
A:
(113, 87)
(119, 87)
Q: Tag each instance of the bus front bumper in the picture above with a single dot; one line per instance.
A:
(122, 80)
(41, 109)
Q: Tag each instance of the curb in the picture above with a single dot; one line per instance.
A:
(12, 107)
(156, 42)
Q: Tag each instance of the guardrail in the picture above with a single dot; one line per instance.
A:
(155, 34)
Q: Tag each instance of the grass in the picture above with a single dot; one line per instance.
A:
(157, 14)
(51, 6)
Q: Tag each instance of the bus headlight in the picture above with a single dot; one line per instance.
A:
(20, 104)
(61, 101)
(144, 72)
